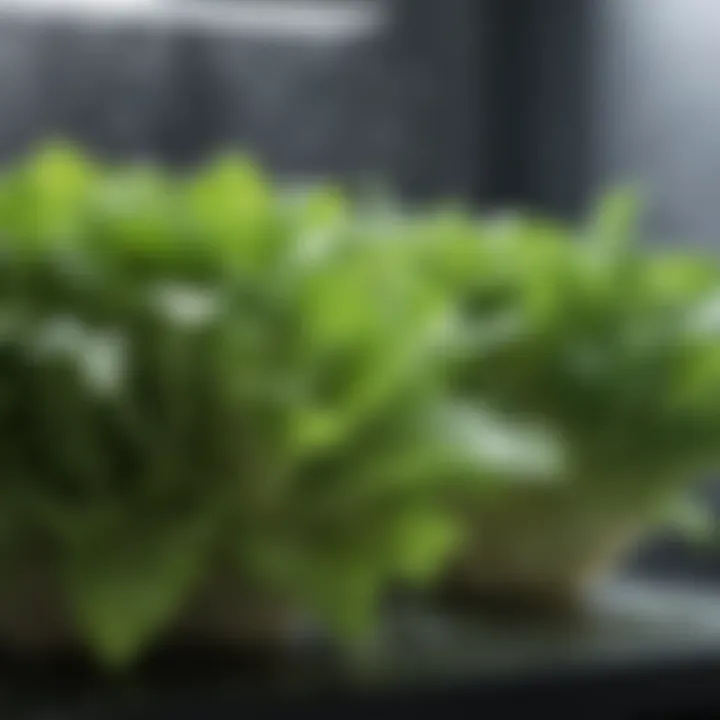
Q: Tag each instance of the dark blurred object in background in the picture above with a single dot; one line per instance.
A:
(395, 103)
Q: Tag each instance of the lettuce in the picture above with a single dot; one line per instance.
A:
(204, 375)
(609, 342)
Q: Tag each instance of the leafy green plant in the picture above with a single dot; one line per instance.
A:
(608, 345)
(612, 343)
(202, 377)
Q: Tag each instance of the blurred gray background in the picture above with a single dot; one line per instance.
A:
(394, 105)
(658, 109)
(538, 102)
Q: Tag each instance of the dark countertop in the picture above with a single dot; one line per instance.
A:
(645, 649)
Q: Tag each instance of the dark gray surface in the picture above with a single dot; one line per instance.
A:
(649, 645)
(627, 622)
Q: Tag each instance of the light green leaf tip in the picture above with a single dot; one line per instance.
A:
(124, 594)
